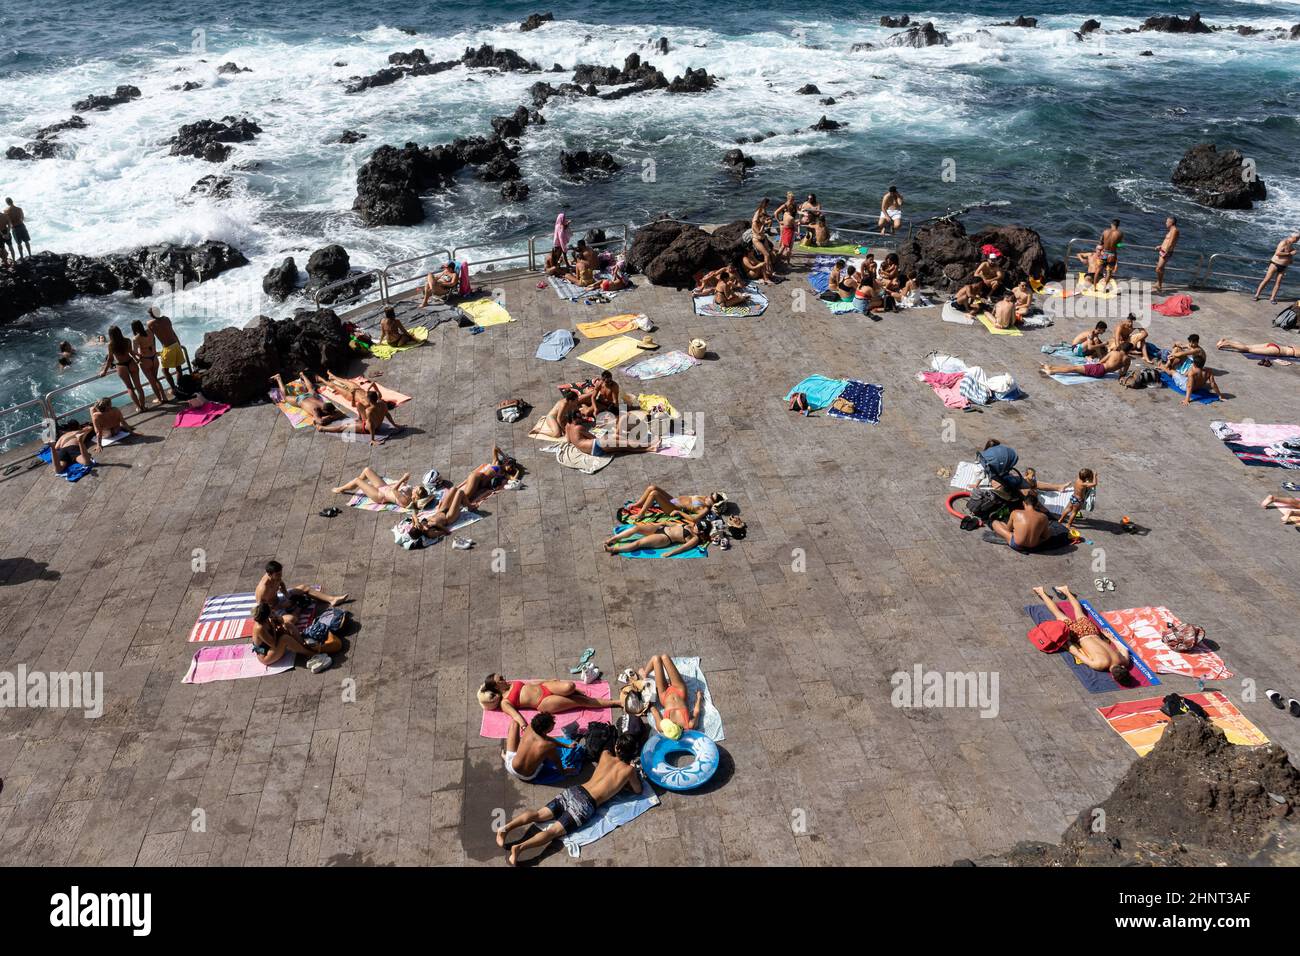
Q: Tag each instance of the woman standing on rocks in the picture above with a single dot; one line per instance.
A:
(121, 355)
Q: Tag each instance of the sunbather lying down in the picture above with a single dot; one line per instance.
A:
(302, 393)
(1289, 507)
(692, 507)
(676, 535)
(1263, 348)
(366, 399)
(399, 492)
(546, 696)
(1086, 642)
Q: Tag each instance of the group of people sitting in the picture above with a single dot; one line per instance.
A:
(655, 697)
(584, 267)
(871, 286)
(1012, 506)
(574, 414)
(275, 617)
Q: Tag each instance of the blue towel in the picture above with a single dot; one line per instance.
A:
(819, 389)
(1179, 385)
(819, 281)
(571, 761)
(1095, 682)
(623, 808)
(866, 401)
(555, 345)
(695, 552)
(74, 472)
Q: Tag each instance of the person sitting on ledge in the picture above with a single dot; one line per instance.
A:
(1026, 527)
(1115, 360)
(677, 536)
(1263, 348)
(393, 332)
(400, 492)
(574, 808)
(1085, 641)
(275, 635)
(442, 284)
(107, 420)
(271, 591)
(528, 751)
(72, 445)
(691, 507)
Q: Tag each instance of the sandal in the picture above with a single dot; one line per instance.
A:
(1275, 699)
(1110, 585)
(587, 655)
(1293, 705)
(329, 512)
(1099, 584)
(1290, 486)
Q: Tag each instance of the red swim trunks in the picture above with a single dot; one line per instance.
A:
(1094, 370)
(787, 235)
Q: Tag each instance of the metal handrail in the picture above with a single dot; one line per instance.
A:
(350, 279)
(1215, 257)
(391, 284)
(1195, 271)
(42, 425)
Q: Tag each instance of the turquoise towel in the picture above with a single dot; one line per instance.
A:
(820, 390)
(695, 552)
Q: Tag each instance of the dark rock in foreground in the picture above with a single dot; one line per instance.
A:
(943, 256)
(1219, 180)
(49, 278)
(211, 139)
(670, 253)
(1171, 24)
(535, 20)
(1194, 800)
(919, 36)
(736, 162)
(1090, 26)
(122, 94)
(329, 265)
(38, 149)
(281, 281)
(237, 363)
(507, 61)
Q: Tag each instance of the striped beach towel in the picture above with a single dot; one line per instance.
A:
(229, 617)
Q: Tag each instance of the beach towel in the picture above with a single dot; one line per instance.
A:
(1141, 723)
(1255, 434)
(1141, 627)
(613, 325)
(343, 399)
(659, 366)
(839, 249)
(1175, 305)
(1064, 355)
(867, 402)
(622, 808)
(947, 386)
(1095, 682)
(74, 472)
(298, 419)
(757, 305)
(381, 351)
(1178, 382)
(486, 312)
(820, 280)
(571, 456)
(115, 439)
(649, 402)
(614, 352)
(203, 415)
(496, 723)
(969, 474)
(402, 530)
(567, 290)
(699, 551)
(556, 345)
(950, 313)
(986, 320)
(229, 617)
(819, 390)
(234, 662)
(1259, 456)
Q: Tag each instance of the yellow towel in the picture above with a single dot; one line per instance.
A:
(613, 325)
(381, 351)
(614, 352)
(485, 312)
(987, 321)
(648, 402)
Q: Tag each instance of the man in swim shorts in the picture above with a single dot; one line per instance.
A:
(525, 754)
(1110, 243)
(170, 354)
(1025, 528)
(578, 435)
(1283, 256)
(575, 807)
(17, 223)
(1166, 251)
(891, 210)
(1116, 360)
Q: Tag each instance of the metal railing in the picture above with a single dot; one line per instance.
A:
(1211, 271)
(393, 286)
(1194, 270)
(360, 296)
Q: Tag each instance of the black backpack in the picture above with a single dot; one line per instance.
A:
(599, 739)
(634, 726)
(1175, 704)
(1287, 319)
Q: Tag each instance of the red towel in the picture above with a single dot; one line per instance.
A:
(1175, 305)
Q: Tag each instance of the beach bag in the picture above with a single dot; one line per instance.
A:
(1175, 704)
(598, 739)
(511, 411)
(1050, 636)
(1287, 319)
(697, 349)
(984, 504)
(330, 621)
(1183, 637)
(634, 726)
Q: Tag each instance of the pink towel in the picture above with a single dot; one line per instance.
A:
(496, 723)
(561, 234)
(232, 662)
(465, 287)
(947, 386)
(198, 417)
(1253, 434)
(1175, 305)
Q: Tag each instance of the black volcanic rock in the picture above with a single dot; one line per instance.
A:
(1090, 26)
(1217, 179)
(211, 139)
(536, 20)
(515, 190)
(895, 23)
(49, 279)
(54, 129)
(122, 94)
(1295, 32)
(281, 281)
(232, 67)
(328, 264)
(736, 162)
(672, 253)
(808, 89)
(943, 256)
(414, 63)
(582, 162)
(38, 149)
(1172, 24)
(1021, 21)
(238, 362)
(825, 125)
(349, 136)
(922, 35)
(213, 187)
(416, 57)
(692, 81)
(507, 61)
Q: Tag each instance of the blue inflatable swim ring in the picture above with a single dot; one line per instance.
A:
(657, 750)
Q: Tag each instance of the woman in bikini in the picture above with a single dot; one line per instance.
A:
(143, 343)
(274, 636)
(122, 357)
(557, 262)
(498, 471)
(671, 690)
(544, 696)
(686, 506)
(677, 536)
(107, 421)
(398, 492)
(369, 405)
(1086, 642)
(1263, 348)
(301, 393)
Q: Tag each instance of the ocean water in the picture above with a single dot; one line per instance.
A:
(1071, 133)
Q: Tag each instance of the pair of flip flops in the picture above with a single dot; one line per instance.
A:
(1103, 584)
(329, 512)
(587, 655)
(1289, 703)
(1290, 486)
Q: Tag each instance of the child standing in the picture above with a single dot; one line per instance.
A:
(1084, 485)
